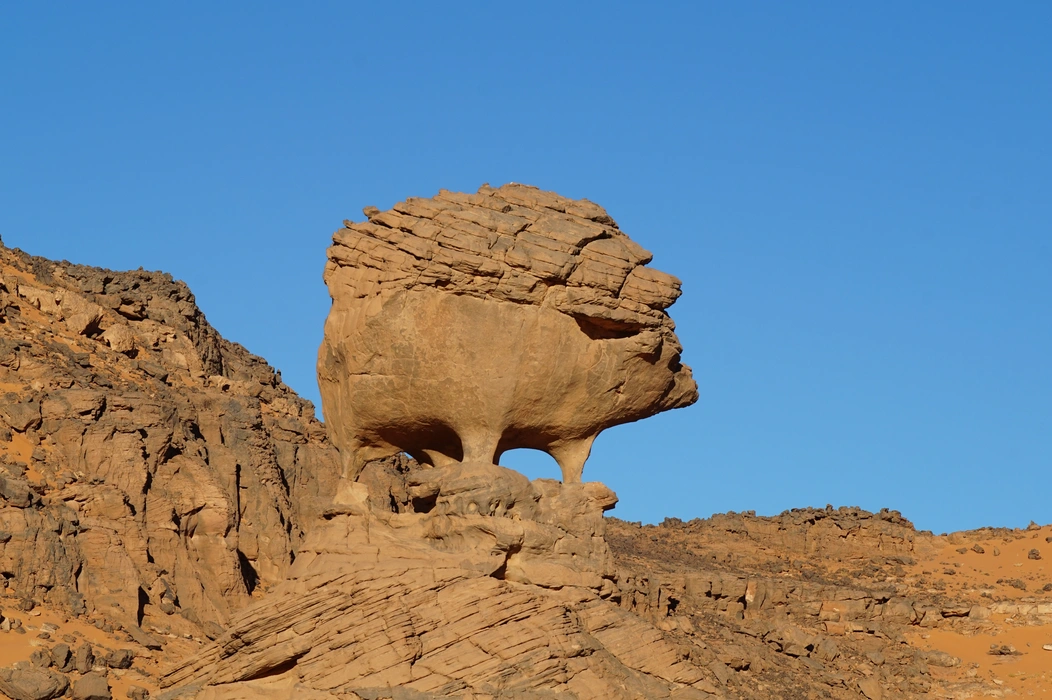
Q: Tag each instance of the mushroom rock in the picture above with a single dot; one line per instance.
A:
(467, 325)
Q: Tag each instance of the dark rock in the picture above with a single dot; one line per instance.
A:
(62, 657)
(140, 637)
(85, 658)
(32, 683)
(40, 658)
(16, 492)
(1033, 554)
(20, 415)
(92, 686)
(122, 658)
(1003, 650)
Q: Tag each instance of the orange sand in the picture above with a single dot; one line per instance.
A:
(16, 647)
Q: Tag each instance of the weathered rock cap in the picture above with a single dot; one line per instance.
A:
(467, 325)
(513, 243)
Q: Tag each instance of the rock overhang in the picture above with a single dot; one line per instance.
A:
(466, 325)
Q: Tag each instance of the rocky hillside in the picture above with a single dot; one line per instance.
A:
(171, 522)
(152, 473)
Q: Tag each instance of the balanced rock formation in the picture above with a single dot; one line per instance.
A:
(470, 324)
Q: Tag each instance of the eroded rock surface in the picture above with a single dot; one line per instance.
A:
(469, 324)
(151, 473)
(505, 588)
(162, 486)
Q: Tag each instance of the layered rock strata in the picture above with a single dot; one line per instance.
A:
(467, 325)
(151, 473)
(503, 588)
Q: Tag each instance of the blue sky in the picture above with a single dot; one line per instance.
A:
(856, 196)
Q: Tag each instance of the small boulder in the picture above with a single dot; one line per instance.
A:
(62, 657)
(92, 686)
(137, 692)
(40, 658)
(85, 658)
(121, 659)
(32, 683)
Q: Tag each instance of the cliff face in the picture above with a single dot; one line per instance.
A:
(150, 471)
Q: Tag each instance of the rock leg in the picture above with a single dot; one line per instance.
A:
(479, 445)
(571, 456)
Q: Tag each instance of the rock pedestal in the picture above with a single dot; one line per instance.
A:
(502, 586)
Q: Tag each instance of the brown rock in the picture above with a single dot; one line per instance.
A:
(40, 658)
(62, 657)
(19, 414)
(92, 686)
(137, 692)
(32, 684)
(171, 471)
(870, 687)
(84, 659)
(468, 325)
(502, 582)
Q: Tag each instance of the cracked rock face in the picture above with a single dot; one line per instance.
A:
(467, 325)
(504, 588)
(151, 472)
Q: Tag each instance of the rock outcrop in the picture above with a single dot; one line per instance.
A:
(470, 324)
(151, 473)
(502, 589)
(161, 487)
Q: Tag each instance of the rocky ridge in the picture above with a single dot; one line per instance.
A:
(161, 487)
(152, 473)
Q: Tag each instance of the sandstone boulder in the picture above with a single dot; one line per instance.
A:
(32, 683)
(470, 324)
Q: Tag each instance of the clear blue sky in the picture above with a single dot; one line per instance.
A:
(856, 195)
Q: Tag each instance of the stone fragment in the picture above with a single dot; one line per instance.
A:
(942, 659)
(62, 657)
(40, 658)
(120, 338)
(143, 638)
(92, 686)
(20, 414)
(120, 659)
(870, 687)
(85, 658)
